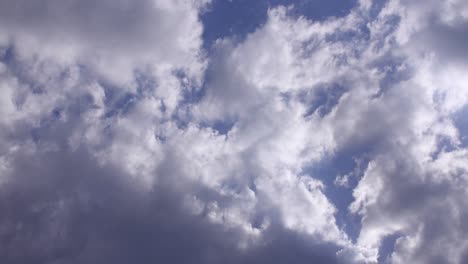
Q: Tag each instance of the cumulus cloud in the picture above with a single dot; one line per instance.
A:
(122, 140)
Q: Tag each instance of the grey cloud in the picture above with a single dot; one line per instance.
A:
(60, 204)
(447, 40)
(62, 207)
(112, 38)
(95, 170)
(122, 25)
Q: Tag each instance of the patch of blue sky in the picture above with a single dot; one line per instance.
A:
(376, 7)
(238, 18)
(387, 247)
(222, 127)
(351, 162)
(120, 101)
(322, 98)
(460, 120)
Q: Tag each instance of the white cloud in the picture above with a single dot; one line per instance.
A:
(102, 83)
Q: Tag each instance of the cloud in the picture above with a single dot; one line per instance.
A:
(405, 190)
(63, 207)
(106, 170)
(114, 41)
(122, 140)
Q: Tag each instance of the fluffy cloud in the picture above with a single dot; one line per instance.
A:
(122, 140)
(406, 190)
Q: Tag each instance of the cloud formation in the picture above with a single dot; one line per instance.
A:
(122, 140)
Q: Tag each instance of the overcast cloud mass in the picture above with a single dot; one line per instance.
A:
(233, 131)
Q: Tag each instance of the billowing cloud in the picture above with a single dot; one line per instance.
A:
(122, 140)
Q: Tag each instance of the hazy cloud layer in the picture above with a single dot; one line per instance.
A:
(328, 140)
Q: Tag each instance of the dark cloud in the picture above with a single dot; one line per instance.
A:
(62, 207)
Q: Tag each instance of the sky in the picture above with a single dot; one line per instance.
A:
(233, 131)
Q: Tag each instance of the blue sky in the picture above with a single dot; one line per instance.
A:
(216, 131)
(239, 17)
